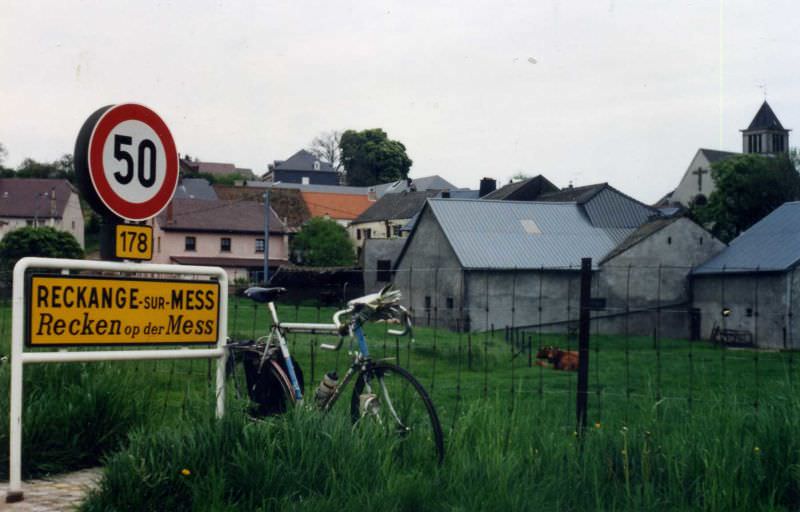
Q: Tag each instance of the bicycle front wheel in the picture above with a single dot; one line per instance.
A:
(389, 398)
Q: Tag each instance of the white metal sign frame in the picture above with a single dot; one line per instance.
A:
(19, 357)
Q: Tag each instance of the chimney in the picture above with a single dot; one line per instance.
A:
(488, 185)
(169, 213)
(53, 205)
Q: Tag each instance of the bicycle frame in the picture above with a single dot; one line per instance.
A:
(353, 328)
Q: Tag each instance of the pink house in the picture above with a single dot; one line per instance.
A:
(228, 234)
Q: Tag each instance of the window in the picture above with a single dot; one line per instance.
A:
(305, 180)
(158, 242)
(316, 165)
(449, 302)
(225, 245)
(190, 244)
(384, 271)
(777, 143)
(669, 240)
(748, 312)
(259, 245)
(396, 230)
(73, 224)
(427, 302)
(358, 234)
(367, 234)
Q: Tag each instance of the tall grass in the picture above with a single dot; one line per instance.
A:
(73, 414)
(503, 456)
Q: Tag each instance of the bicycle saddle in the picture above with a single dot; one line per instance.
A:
(260, 294)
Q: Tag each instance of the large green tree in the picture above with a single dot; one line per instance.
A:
(370, 158)
(36, 241)
(322, 243)
(748, 188)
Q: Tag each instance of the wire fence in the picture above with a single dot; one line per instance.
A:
(657, 336)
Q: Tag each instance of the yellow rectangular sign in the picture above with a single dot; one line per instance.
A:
(134, 242)
(78, 310)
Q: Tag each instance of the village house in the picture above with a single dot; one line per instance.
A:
(228, 234)
(303, 168)
(387, 216)
(40, 202)
(751, 288)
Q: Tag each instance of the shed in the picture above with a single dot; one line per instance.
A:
(754, 280)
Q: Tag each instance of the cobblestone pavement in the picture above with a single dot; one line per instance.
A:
(61, 492)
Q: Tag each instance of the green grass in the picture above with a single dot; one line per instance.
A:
(688, 417)
(502, 456)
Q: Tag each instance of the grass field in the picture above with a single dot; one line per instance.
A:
(673, 425)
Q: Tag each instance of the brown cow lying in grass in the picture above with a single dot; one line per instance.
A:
(566, 360)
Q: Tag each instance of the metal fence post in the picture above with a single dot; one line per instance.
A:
(584, 325)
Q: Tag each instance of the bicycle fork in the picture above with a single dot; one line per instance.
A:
(298, 394)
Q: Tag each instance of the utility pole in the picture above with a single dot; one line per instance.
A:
(266, 236)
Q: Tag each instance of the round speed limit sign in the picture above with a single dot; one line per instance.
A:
(126, 162)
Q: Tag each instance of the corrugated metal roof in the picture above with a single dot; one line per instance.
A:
(770, 245)
(610, 208)
(491, 234)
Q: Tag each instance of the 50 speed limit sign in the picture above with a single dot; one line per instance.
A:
(126, 162)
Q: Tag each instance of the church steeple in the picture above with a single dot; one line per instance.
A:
(766, 134)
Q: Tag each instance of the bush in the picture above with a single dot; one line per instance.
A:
(40, 241)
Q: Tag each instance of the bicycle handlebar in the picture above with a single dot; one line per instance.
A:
(381, 305)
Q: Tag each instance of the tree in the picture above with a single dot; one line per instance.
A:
(748, 188)
(370, 158)
(3, 154)
(322, 243)
(63, 168)
(325, 146)
(36, 241)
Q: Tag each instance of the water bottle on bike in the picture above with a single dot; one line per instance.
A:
(326, 388)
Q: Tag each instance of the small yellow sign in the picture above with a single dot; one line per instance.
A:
(134, 242)
(67, 310)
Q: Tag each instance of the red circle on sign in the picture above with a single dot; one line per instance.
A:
(118, 204)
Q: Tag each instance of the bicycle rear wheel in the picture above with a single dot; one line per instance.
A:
(392, 401)
(269, 389)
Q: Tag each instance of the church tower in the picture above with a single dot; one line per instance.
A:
(765, 135)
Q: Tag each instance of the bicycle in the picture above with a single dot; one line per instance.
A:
(384, 394)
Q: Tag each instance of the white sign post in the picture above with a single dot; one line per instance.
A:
(19, 357)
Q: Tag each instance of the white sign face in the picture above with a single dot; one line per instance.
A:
(134, 162)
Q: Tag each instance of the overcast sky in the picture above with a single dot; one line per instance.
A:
(583, 91)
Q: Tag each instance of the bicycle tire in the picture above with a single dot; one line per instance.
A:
(414, 416)
(270, 390)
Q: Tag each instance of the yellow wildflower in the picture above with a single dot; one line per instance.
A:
(185, 472)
